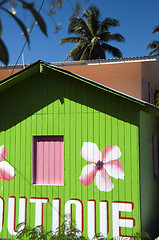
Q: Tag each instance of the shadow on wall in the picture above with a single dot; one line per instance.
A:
(54, 90)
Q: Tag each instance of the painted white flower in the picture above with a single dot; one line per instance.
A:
(6, 170)
(103, 165)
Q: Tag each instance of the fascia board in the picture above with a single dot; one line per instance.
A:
(19, 77)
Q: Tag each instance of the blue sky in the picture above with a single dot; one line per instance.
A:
(137, 19)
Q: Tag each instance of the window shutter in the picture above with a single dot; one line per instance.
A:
(48, 160)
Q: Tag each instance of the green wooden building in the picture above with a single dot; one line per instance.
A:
(72, 147)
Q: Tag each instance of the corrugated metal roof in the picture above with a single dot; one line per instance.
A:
(90, 62)
(108, 61)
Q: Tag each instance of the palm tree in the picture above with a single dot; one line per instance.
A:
(93, 36)
(154, 45)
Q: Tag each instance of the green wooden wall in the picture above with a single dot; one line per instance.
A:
(149, 184)
(58, 104)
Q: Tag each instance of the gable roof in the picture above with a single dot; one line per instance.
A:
(42, 67)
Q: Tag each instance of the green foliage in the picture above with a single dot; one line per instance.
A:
(36, 15)
(99, 236)
(53, 7)
(4, 56)
(93, 36)
(141, 236)
(66, 231)
(154, 45)
(157, 98)
(19, 22)
(24, 231)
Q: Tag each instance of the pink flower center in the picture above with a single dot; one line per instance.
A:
(99, 165)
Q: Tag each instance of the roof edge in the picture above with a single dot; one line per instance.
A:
(36, 67)
(136, 100)
(20, 76)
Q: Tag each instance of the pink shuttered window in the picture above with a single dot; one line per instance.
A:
(48, 160)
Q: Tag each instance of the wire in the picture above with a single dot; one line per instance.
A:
(26, 40)
(71, 5)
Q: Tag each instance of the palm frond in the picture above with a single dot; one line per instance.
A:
(106, 24)
(100, 52)
(93, 11)
(92, 15)
(96, 51)
(72, 40)
(93, 36)
(76, 52)
(154, 45)
(78, 26)
(85, 53)
(113, 50)
(155, 29)
(107, 36)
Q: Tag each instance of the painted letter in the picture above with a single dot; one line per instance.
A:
(56, 212)
(12, 213)
(91, 218)
(79, 212)
(39, 209)
(104, 220)
(118, 221)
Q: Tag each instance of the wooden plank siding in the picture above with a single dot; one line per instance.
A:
(58, 104)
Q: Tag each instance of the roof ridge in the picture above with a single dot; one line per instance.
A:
(88, 62)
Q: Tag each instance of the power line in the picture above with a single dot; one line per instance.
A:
(26, 40)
